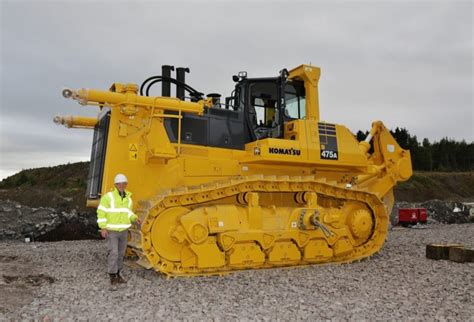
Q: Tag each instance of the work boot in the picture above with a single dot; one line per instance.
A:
(120, 279)
(113, 282)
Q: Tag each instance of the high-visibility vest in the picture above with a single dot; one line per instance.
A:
(115, 212)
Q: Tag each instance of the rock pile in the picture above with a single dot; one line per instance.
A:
(45, 224)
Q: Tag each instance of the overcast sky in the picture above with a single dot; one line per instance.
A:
(408, 64)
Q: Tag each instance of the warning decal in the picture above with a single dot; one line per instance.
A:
(132, 152)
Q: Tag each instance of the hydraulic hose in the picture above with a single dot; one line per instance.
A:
(157, 79)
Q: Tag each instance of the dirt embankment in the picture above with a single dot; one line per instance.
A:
(61, 187)
(450, 186)
(47, 204)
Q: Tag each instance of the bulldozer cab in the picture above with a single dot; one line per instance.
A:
(267, 104)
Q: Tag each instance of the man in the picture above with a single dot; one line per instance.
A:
(114, 217)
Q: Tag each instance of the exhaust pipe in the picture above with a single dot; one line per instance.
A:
(165, 84)
(181, 78)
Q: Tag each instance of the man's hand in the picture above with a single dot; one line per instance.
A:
(138, 222)
(104, 233)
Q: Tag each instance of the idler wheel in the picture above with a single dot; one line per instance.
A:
(165, 234)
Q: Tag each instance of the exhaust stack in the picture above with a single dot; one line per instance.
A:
(166, 84)
(181, 78)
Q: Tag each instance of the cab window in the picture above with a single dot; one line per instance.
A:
(295, 100)
(263, 104)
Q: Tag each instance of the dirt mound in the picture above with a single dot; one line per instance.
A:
(45, 224)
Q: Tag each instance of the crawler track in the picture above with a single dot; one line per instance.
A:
(307, 242)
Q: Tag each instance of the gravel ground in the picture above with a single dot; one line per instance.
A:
(398, 283)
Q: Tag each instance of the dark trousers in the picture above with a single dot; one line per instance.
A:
(116, 246)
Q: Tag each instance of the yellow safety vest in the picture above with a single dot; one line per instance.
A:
(115, 212)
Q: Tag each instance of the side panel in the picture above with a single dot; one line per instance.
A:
(216, 128)
(310, 143)
(226, 132)
(328, 141)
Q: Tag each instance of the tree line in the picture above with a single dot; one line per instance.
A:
(444, 155)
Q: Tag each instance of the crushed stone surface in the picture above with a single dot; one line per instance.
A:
(69, 282)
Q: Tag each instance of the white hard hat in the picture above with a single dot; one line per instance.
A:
(119, 178)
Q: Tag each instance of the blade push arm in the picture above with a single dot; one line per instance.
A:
(78, 122)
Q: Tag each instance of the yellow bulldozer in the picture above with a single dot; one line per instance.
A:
(254, 181)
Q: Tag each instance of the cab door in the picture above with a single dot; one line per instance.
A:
(265, 105)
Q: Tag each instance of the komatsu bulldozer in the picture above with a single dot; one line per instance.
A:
(254, 181)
